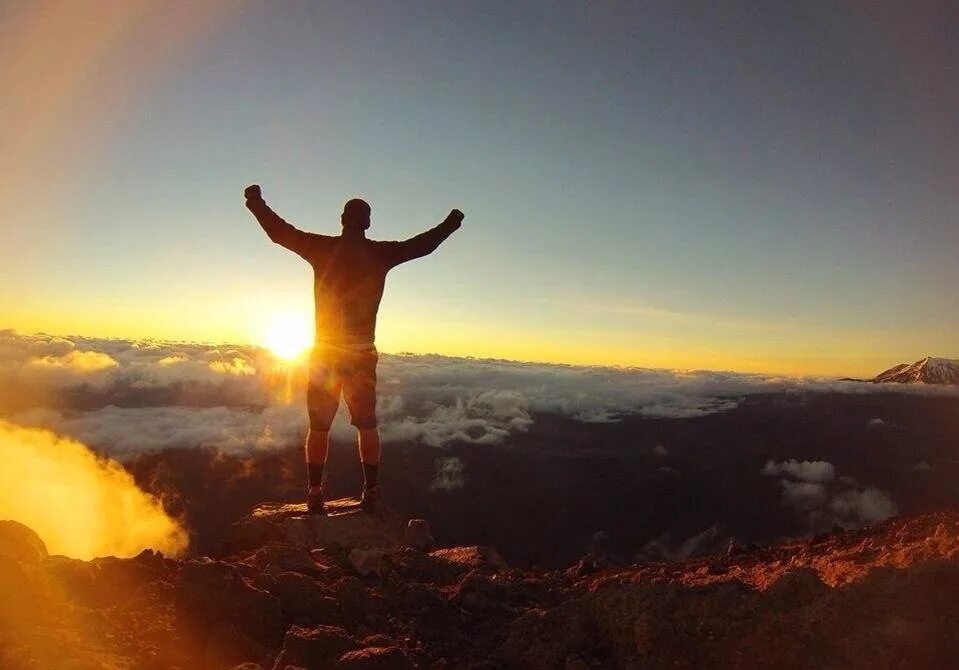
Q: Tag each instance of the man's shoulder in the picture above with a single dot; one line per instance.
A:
(383, 249)
(319, 242)
(323, 239)
(383, 246)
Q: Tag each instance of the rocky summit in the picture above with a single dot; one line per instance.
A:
(354, 590)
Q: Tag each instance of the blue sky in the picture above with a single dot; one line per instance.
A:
(723, 185)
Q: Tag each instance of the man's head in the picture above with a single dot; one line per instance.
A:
(356, 215)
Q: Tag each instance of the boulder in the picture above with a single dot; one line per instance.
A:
(367, 562)
(358, 604)
(587, 565)
(313, 648)
(471, 558)
(420, 599)
(303, 599)
(214, 594)
(21, 542)
(120, 580)
(375, 658)
(796, 587)
(346, 526)
(75, 579)
(22, 589)
(377, 640)
(417, 535)
(482, 594)
(275, 557)
(734, 547)
(413, 565)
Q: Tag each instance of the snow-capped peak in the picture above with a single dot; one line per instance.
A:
(929, 370)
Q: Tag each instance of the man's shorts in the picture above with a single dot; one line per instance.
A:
(351, 371)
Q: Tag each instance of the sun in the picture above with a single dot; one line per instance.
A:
(288, 336)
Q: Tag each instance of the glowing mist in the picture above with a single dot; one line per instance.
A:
(81, 505)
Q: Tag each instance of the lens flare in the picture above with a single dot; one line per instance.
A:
(288, 336)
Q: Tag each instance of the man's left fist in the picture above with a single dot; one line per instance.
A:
(252, 192)
(457, 216)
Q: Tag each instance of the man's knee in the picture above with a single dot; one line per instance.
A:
(317, 434)
(320, 420)
(364, 420)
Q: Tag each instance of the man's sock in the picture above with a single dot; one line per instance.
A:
(370, 471)
(314, 473)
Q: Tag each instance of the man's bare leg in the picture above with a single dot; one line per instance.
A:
(370, 458)
(369, 446)
(317, 447)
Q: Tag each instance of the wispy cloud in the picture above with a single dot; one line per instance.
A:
(667, 314)
(812, 489)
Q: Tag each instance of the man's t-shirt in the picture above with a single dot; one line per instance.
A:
(349, 273)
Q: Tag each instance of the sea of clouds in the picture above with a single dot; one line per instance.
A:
(124, 397)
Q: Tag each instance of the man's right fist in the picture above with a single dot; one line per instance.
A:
(457, 216)
(252, 192)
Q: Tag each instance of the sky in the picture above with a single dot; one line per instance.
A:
(736, 186)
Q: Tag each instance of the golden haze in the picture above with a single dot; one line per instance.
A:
(81, 505)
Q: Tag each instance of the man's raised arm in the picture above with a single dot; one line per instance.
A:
(276, 228)
(425, 243)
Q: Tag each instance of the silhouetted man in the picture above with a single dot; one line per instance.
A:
(349, 273)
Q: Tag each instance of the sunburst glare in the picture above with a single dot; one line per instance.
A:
(288, 336)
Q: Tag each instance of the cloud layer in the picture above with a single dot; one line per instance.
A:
(124, 397)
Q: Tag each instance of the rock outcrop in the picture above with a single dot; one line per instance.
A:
(21, 543)
(878, 598)
(343, 526)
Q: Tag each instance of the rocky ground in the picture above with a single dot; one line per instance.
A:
(362, 591)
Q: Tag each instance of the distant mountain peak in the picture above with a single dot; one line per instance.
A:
(929, 370)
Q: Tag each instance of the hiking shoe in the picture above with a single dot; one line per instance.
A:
(314, 502)
(370, 502)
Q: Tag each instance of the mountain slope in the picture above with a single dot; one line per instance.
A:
(929, 370)
(885, 597)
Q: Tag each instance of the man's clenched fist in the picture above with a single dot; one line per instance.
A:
(457, 216)
(252, 192)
